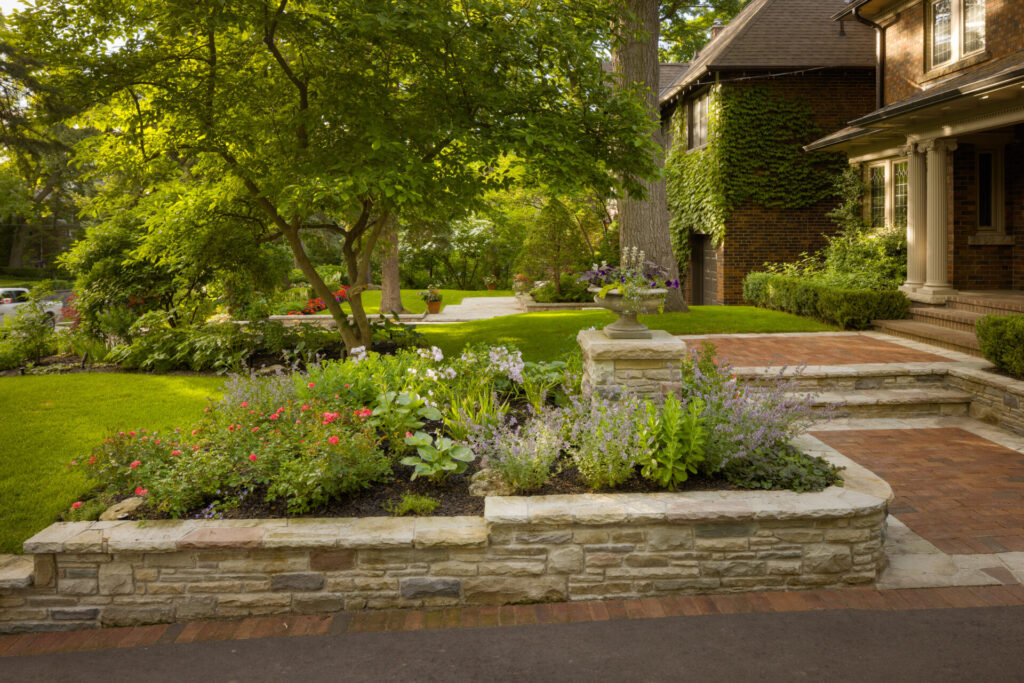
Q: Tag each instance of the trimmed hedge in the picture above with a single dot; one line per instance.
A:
(1002, 342)
(851, 309)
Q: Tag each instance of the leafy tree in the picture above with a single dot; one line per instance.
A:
(328, 115)
(557, 244)
(685, 25)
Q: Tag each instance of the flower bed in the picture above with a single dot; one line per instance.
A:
(406, 433)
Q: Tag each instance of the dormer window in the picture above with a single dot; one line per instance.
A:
(956, 30)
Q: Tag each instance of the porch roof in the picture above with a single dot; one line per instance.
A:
(976, 93)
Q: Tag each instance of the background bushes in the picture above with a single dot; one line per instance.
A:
(846, 308)
(1002, 342)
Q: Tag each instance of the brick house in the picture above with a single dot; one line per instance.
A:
(943, 150)
(795, 48)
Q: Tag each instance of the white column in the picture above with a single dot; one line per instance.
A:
(936, 284)
(916, 212)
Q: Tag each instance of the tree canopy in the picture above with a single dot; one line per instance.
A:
(306, 115)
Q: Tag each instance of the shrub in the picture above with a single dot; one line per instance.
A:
(782, 468)
(436, 457)
(28, 334)
(1002, 342)
(846, 308)
(573, 291)
(412, 504)
(523, 456)
(605, 438)
(674, 437)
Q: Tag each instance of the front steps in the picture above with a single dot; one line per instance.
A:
(952, 326)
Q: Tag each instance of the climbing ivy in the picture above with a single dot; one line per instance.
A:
(754, 153)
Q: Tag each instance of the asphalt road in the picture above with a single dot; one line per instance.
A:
(977, 645)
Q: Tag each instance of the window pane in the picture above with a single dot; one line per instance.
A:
(974, 25)
(899, 194)
(877, 196)
(985, 190)
(942, 25)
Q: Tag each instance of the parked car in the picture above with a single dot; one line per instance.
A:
(12, 298)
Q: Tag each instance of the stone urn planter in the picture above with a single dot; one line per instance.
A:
(433, 307)
(627, 326)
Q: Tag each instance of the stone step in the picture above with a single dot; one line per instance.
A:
(987, 305)
(915, 330)
(894, 402)
(15, 571)
(848, 377)
(949, 318)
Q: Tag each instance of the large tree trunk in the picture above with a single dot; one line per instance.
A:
(644, 224)
(390, 274)
(17, 258)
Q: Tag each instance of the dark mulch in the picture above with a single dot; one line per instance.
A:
(453, 496)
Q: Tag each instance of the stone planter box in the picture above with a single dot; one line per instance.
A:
(523, 549)
(328, 321)
(527, 303)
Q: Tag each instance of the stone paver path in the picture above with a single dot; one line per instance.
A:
(961, 492)
(475, 308)
(812, 349)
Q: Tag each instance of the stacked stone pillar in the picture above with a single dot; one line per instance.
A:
(646, 367)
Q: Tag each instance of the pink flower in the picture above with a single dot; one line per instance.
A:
(274, 416)
(252, 457)
(245, 404)
(304, 408)
(408, 434)
(135, 464)
(206, 409)
(77, 504)
(231, 428)
(329, 418)
(157, 442)
(131, 433)
(175, 452)
(196, 447)
(74, 463)
(194, 432)
(364, 412)
(311, 385)
(92, 460)
(348, 386)
(332, 440)
(139, 491)
(255, 429)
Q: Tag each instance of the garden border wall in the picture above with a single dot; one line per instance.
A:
(529, 305)
(524, 549)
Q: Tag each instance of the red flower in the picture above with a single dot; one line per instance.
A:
(408, 435)
(139, 491)
(364, 412)
(135, 464)
(175, 452)
(311, 385)
(255, 429)
(332, 440)
(274, 416)
(77, 504)
(252, 457)
(245, 404)
(92, 460)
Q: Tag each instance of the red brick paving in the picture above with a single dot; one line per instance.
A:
(689, 606)
(854, 349)
(958, 490)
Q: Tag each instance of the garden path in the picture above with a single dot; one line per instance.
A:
(475, 308)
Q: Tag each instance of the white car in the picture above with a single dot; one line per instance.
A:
(12, 298)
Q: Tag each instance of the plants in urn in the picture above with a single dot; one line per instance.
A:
(634, 287)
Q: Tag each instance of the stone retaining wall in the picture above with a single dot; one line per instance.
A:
(531, 305)
(995, 398)
(544, 548)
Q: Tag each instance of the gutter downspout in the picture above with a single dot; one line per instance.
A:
(879, 57)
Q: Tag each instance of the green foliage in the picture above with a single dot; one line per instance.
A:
(787, 468)
(477, 409)
(412, 504)
(525, 457)
(398, 413)
(754, 154)
(569, 289)
(436, 457)
(674, 439)
(685, 26)
(540, 379)
(1002, 342)
(557, 243)
(28, 334)
(846, 308)
(89, 511)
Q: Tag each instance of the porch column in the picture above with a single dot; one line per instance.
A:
(936, 284)
(916, 216)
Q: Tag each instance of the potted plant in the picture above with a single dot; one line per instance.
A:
(636, 286)
(433, 298)
(522, 283)
(490, 281)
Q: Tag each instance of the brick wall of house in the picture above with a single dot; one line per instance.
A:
(756, 234)
(905, 45)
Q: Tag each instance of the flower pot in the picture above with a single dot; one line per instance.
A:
(433, 307)
(492, 286)
(627, 326)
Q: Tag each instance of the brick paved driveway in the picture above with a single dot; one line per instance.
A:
(961, 492)
(812, 349)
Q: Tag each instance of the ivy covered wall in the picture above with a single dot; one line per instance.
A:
(754, 155)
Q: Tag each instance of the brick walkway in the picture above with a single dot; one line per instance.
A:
(511, 615)
(959, 491)
(827, 349)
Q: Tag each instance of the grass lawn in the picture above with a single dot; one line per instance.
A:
(11, 281)
(414, 304)
(546, 336)
(49, 420)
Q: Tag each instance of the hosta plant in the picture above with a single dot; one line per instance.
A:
(436, 457)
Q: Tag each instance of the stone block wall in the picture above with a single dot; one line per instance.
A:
(544, 548)
(995, 399)
(646, 367)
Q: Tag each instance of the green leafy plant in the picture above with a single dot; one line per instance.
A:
(400, 413)
(1002, 342)
(539, 379)
(29, 332)
(412, 504)
(480, 409)
(436, 457)
(847, 308)
(525, 457)
(674, 440)
(432, 293)
(783, 468)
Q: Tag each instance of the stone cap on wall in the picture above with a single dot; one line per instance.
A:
(661, 346)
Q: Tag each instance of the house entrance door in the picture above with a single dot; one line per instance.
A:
(705, 271)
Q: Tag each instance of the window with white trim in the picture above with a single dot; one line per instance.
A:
(956, 29)
(887, 195)
(876, 190)
(899, 193)
(697, 121)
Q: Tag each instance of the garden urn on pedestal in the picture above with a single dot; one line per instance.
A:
(627, 326)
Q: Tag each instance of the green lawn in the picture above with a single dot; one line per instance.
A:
(414, 304)
(49, 420)
(546, 336)
(11, 281)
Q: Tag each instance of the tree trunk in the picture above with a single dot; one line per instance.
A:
(390, 275)
(17, 259)
(644, 224)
